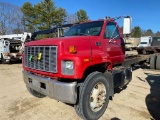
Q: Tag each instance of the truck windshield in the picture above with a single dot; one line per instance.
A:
(143, 43)
(91, 28)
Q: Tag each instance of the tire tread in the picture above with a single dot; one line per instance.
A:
(158, 62)
(153, 61)
(82, 86)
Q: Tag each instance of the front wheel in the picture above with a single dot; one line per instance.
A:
(93, 96)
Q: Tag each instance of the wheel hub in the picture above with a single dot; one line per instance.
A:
(97, 97)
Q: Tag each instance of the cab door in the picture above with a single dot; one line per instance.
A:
(113, 43)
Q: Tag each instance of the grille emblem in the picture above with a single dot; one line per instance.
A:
(39, 57)
(35, 58)
(30, 58)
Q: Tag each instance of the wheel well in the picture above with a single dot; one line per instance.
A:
(104, 68)
(100, 68)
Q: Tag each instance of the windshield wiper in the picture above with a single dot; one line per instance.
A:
(83, 34)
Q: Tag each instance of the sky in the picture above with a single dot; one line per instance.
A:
(145, 13)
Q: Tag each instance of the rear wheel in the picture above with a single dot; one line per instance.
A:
(35, 93)
(158, 62)
(153, 61)
(93, 96)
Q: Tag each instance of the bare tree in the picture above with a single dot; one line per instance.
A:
(10, 18)
(71, 18)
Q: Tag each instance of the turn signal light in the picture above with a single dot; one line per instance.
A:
(72, 49)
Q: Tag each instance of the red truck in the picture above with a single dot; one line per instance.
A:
(82, 68)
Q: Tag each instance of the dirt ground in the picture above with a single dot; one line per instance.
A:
(139, 101)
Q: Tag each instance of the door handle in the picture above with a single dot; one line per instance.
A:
(112, 41)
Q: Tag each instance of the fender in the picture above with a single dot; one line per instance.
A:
(98, 60)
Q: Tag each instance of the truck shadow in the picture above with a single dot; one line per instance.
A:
(12, 63)
(153, 99)
(115, 118)
(118, 90)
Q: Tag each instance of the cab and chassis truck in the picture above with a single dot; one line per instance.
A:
(82, 68)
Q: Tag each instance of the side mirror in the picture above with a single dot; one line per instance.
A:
(127, 25)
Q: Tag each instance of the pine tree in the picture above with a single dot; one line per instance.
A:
(28, 16)
(136, 32)
(148, 33)
(43, 15)
(82, 15)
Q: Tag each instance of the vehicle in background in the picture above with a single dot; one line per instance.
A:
(153, 48)
(10, 50)
(145, 41)
(21, 37)
(132, 43)
(12, 47)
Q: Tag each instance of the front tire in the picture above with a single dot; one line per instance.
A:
(93, 96)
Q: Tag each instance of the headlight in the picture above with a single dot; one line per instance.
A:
(67, 67)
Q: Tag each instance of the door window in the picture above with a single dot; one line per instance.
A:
(112, 31)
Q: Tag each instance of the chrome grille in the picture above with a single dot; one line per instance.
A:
(48, 61)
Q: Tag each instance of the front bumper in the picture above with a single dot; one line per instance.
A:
(61, 91)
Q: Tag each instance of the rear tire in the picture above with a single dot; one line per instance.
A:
(158, 62)
(35, 93)
(93, 96)
(153, 61)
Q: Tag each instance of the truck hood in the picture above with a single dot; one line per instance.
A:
(82, 44)
(57, 41)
